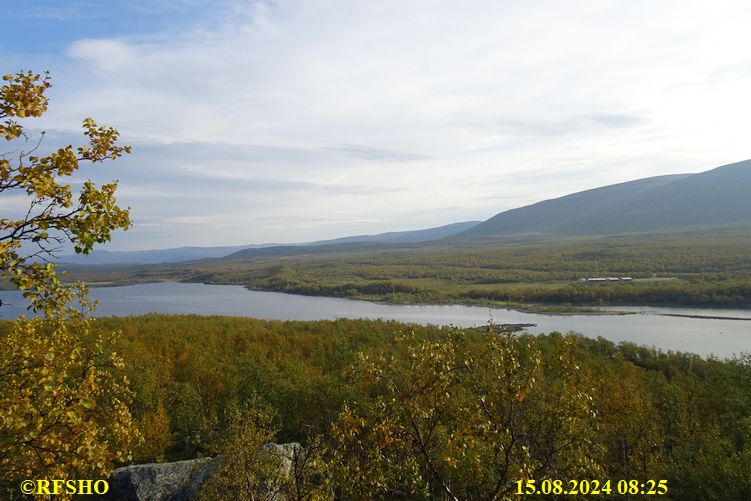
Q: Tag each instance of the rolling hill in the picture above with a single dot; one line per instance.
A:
(370, 242)
(718, 197)
(679, 202)
(414, 236)
(102, 257)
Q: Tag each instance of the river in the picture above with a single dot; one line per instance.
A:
(650, 326)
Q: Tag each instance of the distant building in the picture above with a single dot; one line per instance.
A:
(601, 280)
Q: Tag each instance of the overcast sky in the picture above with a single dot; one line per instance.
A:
(288, 121)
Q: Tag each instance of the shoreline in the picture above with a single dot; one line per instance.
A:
(704, 317)
(549, 310)
(537, 309)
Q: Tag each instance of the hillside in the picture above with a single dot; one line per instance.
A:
(681, 202)
(425, 235)
(356, 243)
(103, 257)
(714, 198)
(180, 254)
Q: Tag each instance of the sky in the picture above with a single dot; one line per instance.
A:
(290, 121)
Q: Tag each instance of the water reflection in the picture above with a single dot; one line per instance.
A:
(705, 336)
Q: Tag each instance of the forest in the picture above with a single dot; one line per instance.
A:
(700, 268)
(394, 410)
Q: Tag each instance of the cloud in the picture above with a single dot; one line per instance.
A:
(375, 154)
(201, 220)
(328, 107)
(103, 55)
(568, 125)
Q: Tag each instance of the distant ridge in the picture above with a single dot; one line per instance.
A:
(382, 240)
(717, 197)
(414, 236)
(102, 257)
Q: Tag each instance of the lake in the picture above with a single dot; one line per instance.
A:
(647, 326)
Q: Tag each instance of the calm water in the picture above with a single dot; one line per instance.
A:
(719, 337)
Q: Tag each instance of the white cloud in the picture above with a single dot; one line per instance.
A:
(111, 56)
(200, 220)
(435, 103)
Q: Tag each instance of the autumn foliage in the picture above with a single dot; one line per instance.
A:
(64, 400)
(53, 215)
(393, 410)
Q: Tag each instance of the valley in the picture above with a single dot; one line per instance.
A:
(704, 269)
(684, 240)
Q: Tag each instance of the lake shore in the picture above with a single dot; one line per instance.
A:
(707, 337)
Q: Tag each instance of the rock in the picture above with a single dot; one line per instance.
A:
(286, 453)
(178, 481)
(181, 480)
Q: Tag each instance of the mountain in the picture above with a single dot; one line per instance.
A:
(718, 197)
(370, 242)
(414, 236)
(102, 257)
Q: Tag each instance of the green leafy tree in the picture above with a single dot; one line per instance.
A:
(246, 469)
(251, 467)
(456, 419)
(309, 476)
